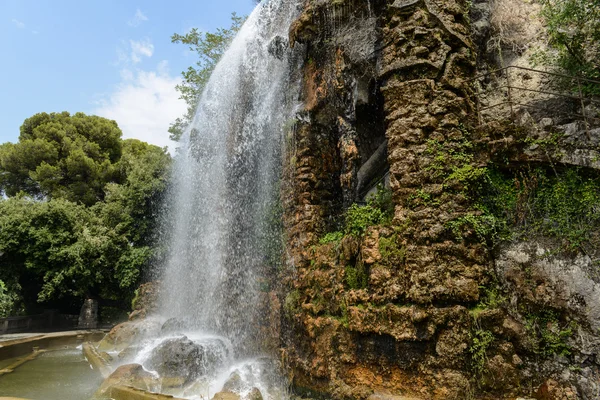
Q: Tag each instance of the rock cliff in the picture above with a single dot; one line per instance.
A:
(423, 302)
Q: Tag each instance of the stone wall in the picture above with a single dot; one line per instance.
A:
(409, 308)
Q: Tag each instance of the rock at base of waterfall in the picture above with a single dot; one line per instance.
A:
(226, 396)
(174, 325)
(181, 357)
(124, 335)
(132, 375)
(254, 394)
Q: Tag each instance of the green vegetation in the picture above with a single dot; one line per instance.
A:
(574, 30)
(9, 300)
(331, 237)
(80, 214)
(379, 210)
(481, 340)
(561, 204)
(359, 218)
(357, 277)
(63, 156)
(291, 304)
(391, 252)
(209, 47)
(550, 336)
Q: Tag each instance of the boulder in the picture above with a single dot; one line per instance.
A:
(181, 357)
(226, 396)
(254, 394)
(145, 301)
(174, 325)
(233, 384)
(132, 375)
(127, 333)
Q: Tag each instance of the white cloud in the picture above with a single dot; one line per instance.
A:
(144, 104)
(18, 24)
(140, 49)
(137, 19)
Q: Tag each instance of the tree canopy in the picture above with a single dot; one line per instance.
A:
(209, 47)
(574, 30)
(62, 156)
(81, 210)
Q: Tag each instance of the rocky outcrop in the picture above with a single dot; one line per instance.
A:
(145, 301)
(132, 375)
(128, 333)
(417, 308)
(183, 358)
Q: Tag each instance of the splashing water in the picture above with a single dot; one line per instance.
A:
(225, 189)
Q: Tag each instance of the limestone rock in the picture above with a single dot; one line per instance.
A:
(128, 375)
(181, 357)
(127, 333)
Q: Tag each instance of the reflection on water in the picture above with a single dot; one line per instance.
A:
(55, 375)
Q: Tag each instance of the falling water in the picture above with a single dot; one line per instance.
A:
(225, 183)
(226, 179)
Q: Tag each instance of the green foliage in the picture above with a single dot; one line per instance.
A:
(391, 252)
(359, 218)
(59, 155)
(209, 47)
(483, 226)
(562, 204)
(357, 277)
(481, 340)
(550, 336)
(574, 30)
(332, 237)
(10, 301)
(291, 304)
(382, 199)
(490, 297)
(78, 235)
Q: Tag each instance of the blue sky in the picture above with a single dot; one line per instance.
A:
(107, 57)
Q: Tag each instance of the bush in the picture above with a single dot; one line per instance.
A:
(10, 301)
(574, 31)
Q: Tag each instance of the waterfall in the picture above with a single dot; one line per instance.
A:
(225, 181)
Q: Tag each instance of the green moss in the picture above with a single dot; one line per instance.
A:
(291, 304)
(562, 204)
(358, 218)
(391, 253)
(481, 340)
(549, 333)
(332, 237)
(357, 277)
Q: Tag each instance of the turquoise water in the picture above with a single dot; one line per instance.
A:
(55, 375)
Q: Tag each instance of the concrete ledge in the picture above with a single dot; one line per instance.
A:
(20, 361)
(96, 360)
(23, 346)
(129, 393)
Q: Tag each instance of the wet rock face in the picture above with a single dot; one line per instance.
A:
(145, 301)
(381, 73)
(128, 333)
(181, 357)
(132, 375)
(405, 309)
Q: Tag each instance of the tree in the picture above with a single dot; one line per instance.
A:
(56, 243)
(574, 30)
(209, 46)
(61, 156)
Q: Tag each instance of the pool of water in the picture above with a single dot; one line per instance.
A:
(54, 375)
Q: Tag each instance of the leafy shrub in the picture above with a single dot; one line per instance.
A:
(10, 301)
(331, 237)
(481, 341)
(574, 30)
